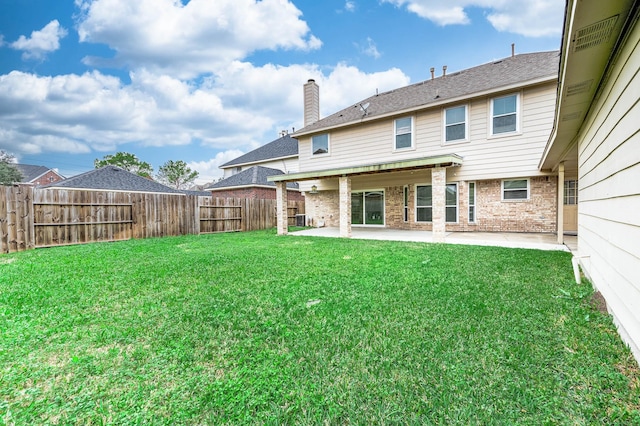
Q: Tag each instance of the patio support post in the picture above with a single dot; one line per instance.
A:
(345, 206)
(438, 204)
(560, 215)
(281, 207)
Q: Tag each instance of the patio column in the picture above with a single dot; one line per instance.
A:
(281, 208)
(438, 203)
(560, 225)
(345, 206)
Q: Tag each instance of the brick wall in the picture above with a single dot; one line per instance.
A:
(47, 178)
(254, 193)
(323, 206)
(538, 214)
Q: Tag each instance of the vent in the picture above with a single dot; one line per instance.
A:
(582, 87)
(572, 116)
(594, 34)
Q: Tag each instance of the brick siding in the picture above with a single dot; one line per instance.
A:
(538, 214)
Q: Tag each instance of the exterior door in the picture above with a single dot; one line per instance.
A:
(367, 208)
(570, 213)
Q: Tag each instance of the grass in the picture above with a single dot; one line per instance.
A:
(253, 328)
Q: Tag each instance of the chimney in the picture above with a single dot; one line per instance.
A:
(444, 70)
(311, 102)
(433, 70)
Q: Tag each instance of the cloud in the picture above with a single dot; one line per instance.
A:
(350, 6)
(371, 49)
(531, 18)
(41, 42)
(185, 40)
(240, 109)
(209, 170)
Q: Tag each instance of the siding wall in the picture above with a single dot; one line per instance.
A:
(287, 165)
(485, 157)
(609, 182)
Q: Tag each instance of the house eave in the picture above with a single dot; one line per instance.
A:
(588, 67)
(232, 188)
(449, 160)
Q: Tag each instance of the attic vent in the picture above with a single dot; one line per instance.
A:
(572, 116)
(594, 34)
(578, 88)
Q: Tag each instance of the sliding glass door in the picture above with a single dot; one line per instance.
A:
(367, 208)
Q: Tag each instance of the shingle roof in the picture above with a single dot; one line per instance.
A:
(253, 176)
(285, 146)
(113, 178)
(31, 172)
(506, 72)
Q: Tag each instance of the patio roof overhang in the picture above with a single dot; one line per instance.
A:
(448, 160)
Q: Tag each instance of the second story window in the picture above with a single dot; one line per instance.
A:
(320, 144)
(504, 114)
(403, 133)
(455, 124)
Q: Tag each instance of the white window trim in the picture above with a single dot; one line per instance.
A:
(475, 202)
(413, 135)
(515, 200)
(466, 125)
(328, 146)
(518, 116)
(405, 204)
(457, 205)
(384, 208)
(416, 206)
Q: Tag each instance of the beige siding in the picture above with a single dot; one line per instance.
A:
(609, 197)
(287, 165)
(485, 157)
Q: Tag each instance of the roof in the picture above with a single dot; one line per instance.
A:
(253, 176)
(285, 146)
(113, 178)
(503, 74)
(31, 172)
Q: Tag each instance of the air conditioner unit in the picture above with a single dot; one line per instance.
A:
(301, 220)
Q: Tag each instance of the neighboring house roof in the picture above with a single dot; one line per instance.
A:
(514, 71)
(283, 147)
(113, 178)
(31, 172)
(198, 193)
(253, 176)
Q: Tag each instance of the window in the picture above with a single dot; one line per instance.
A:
(320, 144)
(424, 206)
(504, 114)
(367, 208)
(451, 203)
(406, 203)
(455, 124)
(472, 202)
(424, 203)
(236, 170)
(403, 133)
(515, 189)
(570, 192)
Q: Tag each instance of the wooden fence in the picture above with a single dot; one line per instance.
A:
(44, 217)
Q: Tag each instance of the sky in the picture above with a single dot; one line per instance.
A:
(204, 81)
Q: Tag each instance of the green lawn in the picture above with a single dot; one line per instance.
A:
(252, 328)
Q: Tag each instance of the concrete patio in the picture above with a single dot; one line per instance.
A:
(501, 239)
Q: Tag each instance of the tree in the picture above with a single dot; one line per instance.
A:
(126, 161)
(176, 174)
(9, 173)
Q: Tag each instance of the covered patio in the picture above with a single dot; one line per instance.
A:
(537, 241)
